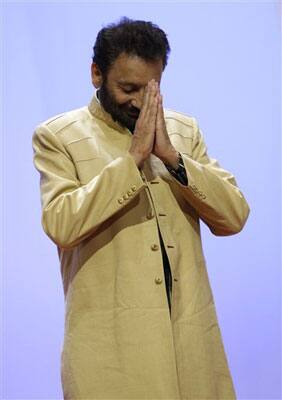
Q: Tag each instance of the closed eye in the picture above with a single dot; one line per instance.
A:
(128, 88)
(128, 91)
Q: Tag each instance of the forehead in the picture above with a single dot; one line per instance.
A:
(133, 69)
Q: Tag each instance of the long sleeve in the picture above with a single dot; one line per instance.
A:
(213, 191)
(180, 173)
(72, 211)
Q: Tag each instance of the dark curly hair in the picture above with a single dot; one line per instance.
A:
(133, 37)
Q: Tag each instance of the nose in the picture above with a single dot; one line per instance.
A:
(137, 100)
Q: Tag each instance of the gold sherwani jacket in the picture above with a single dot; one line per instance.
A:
(103, 213)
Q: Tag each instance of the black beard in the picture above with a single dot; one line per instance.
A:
(119, 112)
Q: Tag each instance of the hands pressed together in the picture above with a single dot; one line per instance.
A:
(150, 134)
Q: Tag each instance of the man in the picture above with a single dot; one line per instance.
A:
(123, 185)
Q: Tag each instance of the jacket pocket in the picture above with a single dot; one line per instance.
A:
(89, 168)
(83, 149)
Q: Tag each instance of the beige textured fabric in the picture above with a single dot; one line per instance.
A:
(103, 214)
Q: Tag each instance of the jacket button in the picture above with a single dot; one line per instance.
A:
(150, 215)
(155, 247)
(120, 200)
(125, 196)
(158, 280)
(133, 188)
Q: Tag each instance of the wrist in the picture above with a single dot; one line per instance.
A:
(179, 172)
(171, 159)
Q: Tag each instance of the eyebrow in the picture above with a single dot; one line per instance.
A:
(127, 83)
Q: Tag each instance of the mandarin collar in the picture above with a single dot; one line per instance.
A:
(99, 112)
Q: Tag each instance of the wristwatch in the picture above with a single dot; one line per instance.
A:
(180, 172)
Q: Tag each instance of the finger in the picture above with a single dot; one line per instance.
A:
(149, 89)
(152, 94)
(145, 100)
(160, 115)
(151, 106)
(161, 107)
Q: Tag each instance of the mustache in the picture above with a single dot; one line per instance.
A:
(133, 111)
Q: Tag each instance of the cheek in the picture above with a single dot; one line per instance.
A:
(120, 97)
(124, 102)
(123, 99)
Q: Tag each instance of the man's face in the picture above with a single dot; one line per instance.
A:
(121, 93)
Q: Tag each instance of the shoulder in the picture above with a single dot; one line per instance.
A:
(64, 128)
(178, 122)
(60, 122)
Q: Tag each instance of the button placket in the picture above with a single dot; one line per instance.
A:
(152, 211)
(170, 247)
(154, 247)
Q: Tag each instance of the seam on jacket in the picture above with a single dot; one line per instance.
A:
(79, 140)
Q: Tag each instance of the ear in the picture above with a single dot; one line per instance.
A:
(96, 75)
